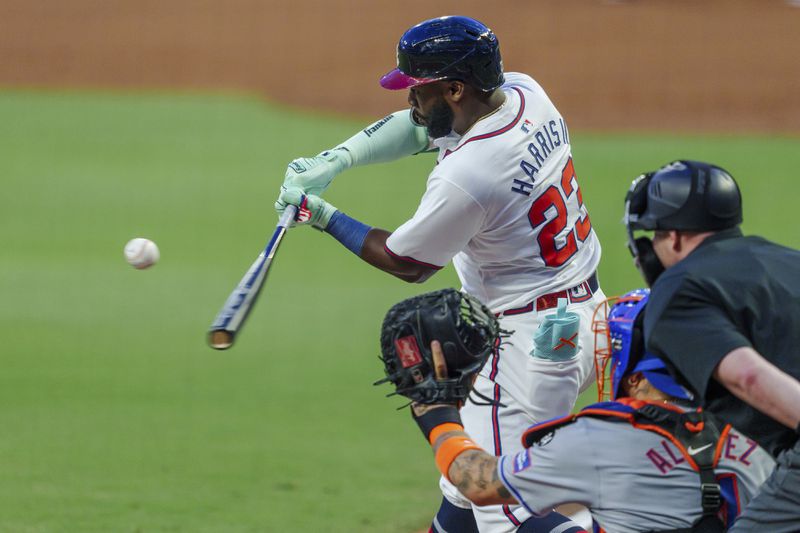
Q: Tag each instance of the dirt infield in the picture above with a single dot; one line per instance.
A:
(681, 65)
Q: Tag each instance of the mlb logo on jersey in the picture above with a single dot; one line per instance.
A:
(526, 126)
(408, 351)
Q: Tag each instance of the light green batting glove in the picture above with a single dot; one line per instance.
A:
(313, 175)
(311, 209)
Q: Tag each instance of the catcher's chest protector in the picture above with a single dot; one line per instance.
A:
(696, 430)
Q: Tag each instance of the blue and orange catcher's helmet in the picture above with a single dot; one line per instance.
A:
(620, 349)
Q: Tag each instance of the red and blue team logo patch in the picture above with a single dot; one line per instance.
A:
(408, 351)
(521, 461)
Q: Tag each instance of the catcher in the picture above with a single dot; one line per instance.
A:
(645, 460)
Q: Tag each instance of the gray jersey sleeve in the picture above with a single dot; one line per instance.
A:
(561, 468)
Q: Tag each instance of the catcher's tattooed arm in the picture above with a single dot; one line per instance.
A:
(435, 402)
(474, 473)
(471, 469)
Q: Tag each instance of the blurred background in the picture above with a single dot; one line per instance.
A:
(636, 64)
(174, 120)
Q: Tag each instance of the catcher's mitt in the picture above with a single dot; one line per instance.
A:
(466, 329)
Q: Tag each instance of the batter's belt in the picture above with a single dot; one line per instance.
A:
(579, 293)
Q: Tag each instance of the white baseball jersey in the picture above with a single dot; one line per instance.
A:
(503, 203)
(630, 479)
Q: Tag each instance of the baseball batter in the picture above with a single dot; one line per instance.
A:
(644, 462)
(502, 203)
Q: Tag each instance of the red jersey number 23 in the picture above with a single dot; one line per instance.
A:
(557, 197)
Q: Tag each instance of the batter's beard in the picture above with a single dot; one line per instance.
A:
(440, 120)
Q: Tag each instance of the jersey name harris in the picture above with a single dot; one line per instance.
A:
(544, 139)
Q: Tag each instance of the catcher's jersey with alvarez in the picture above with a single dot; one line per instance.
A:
(503, 203)
(630, 479)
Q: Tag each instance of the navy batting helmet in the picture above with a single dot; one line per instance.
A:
(447, 48)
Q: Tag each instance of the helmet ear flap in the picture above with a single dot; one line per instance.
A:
(647, 261)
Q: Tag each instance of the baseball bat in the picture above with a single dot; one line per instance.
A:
(230, 319)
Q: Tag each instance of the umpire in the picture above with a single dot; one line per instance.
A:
(724, 313)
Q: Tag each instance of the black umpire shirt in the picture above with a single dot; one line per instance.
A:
(730, 292)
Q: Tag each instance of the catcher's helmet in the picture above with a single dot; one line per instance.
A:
(623, 348)
(684, 195)
(447, 48)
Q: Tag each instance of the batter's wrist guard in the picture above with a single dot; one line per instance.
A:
(348, 231)
(436, 417)
(449, 450)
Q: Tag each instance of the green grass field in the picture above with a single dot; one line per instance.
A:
(115, 416)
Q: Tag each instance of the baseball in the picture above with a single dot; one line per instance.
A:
(141, 253)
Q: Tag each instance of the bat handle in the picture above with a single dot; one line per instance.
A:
(288, 216)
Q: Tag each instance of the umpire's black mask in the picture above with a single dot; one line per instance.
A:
(641, 248)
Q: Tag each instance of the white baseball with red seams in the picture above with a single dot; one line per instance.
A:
(141, 253)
